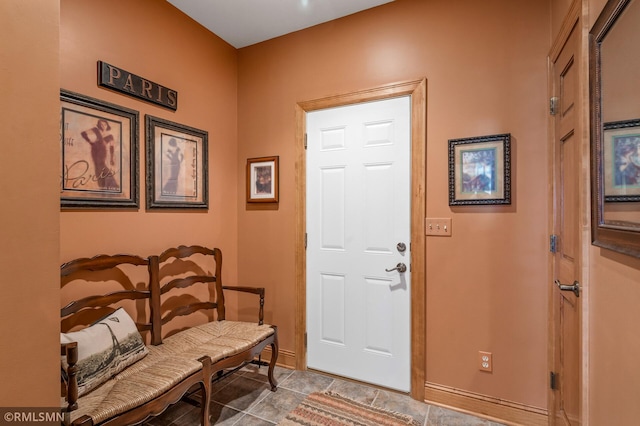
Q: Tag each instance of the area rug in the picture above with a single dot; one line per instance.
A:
(331, 409)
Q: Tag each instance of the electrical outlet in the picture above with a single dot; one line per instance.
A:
(438, 226)
(485, 361)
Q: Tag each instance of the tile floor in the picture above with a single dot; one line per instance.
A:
(244, 399)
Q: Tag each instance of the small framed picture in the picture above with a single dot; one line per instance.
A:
(177, 166)
(262, 180)
(99, 153)
(480, 170)
(621, 161)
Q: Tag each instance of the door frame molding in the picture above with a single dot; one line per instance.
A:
(417, 89)
(575, 20)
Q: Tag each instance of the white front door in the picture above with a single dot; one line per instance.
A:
(358, 196)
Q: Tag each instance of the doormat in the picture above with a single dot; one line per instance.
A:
(331, 409)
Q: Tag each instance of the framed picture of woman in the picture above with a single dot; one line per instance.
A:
(99, 147)
(177, 167)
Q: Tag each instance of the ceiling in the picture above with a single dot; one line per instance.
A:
(245, 22)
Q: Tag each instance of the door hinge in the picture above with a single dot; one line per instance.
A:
(305, 141)
(305, 339)
(553, 243)
(553, 105)
(305, 240)
(553, 380)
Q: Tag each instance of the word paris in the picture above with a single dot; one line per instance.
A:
(130, 84)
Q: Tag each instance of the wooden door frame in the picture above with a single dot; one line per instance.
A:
(418, 91)
(575, 20)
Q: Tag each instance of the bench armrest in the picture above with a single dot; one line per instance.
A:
(254, 290)
(70, 382)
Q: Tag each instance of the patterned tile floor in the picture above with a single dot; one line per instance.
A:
(244, 399)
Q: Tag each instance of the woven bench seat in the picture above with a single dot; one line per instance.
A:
(217, 339)
(168, 364)
(175, 363)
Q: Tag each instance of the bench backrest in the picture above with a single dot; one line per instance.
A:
(94, 272)
(155, 294)
(192, 269)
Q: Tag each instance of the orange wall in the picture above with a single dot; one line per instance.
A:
(614, 345)
(29, 231)
(485, 63)
(154, 40)
(485, 66)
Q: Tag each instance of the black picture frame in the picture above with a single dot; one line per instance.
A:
(177, 165)
(480, 170)
(99, 153)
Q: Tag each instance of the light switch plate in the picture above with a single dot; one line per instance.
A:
(440, 227)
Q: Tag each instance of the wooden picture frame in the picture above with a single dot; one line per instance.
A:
(262, 180)
(177, 165)
(99, 153)
(480, 170)
(621, 161)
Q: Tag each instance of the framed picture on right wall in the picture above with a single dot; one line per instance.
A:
(621, 161)
(480, 170)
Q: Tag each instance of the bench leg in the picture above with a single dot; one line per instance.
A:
(206, 390)
(272, 363)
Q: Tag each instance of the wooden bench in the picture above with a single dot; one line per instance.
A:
(176, 360)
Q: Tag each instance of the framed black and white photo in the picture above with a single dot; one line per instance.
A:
(177, 166)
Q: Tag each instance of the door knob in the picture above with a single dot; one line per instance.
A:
(575, 287)
(400, 267)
